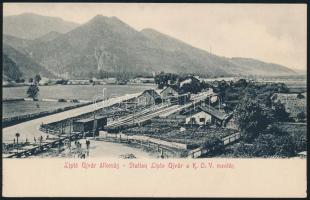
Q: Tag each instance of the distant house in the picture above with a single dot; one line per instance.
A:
(149, 97)
(174, 94)
(218, 117)
(205, 115)
(143, 80)
(199, 117)
(110, 80)
(188, 80)
(170, 91)
(44, 81)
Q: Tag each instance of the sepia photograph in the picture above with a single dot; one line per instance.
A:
(162, 81)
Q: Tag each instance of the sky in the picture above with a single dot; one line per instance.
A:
(274, 33)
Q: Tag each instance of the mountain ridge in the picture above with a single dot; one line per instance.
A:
(109, 44)
(32, 26)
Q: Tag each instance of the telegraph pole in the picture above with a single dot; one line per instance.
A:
(94, 128)
(61, 132)
(70, 133)
(133, 117)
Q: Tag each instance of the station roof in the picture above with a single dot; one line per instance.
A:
(90, 119)
(211, 111)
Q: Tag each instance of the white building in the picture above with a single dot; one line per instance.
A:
(200, 118)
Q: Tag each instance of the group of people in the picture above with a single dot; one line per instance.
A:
(79, 148)
(40, 139)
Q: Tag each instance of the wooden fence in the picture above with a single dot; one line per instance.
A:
(201, 151)
(45, 147)
(145, 139)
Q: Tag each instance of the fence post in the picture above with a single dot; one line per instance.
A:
(162, 153)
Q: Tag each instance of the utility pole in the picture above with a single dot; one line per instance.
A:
(209, 102)
(94, 128)
(70, 133)
(61, 132)
(133, 116)
(17, 136)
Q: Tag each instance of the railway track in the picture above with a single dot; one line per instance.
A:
(161, 111)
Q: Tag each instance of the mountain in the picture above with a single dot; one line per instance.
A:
(216, 64)
(31, 26)
(257, 67)
(48, 37)
(203, 61)
(16, 43)
(109, 44)
(18, 65)
(10, 69)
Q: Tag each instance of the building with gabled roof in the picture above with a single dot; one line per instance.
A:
(149, 97)
(204, 115)
(174, 94)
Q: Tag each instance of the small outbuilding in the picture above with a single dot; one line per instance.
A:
(199, 117)
(88, 124)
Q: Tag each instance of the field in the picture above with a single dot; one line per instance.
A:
(172, 132)
(12, 109)
(81, 92)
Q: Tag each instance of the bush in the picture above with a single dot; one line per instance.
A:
(75, 101)
(268, 145)
(251, 119)
(301, 116)
(62, 82)
(33, 91)
(300, 96)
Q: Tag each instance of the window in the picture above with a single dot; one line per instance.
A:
(202, 119)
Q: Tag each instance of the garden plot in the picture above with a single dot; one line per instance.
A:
(172, 132)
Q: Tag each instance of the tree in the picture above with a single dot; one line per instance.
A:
(301, 116)
(17, 136)
(37, 78)
(164, 79)
(241, 83)
(300, 96)
(251, 118)
(267, 145)
(33, 91)
(193, 87)
(280, 114)
(30, 80)
(20, 80)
